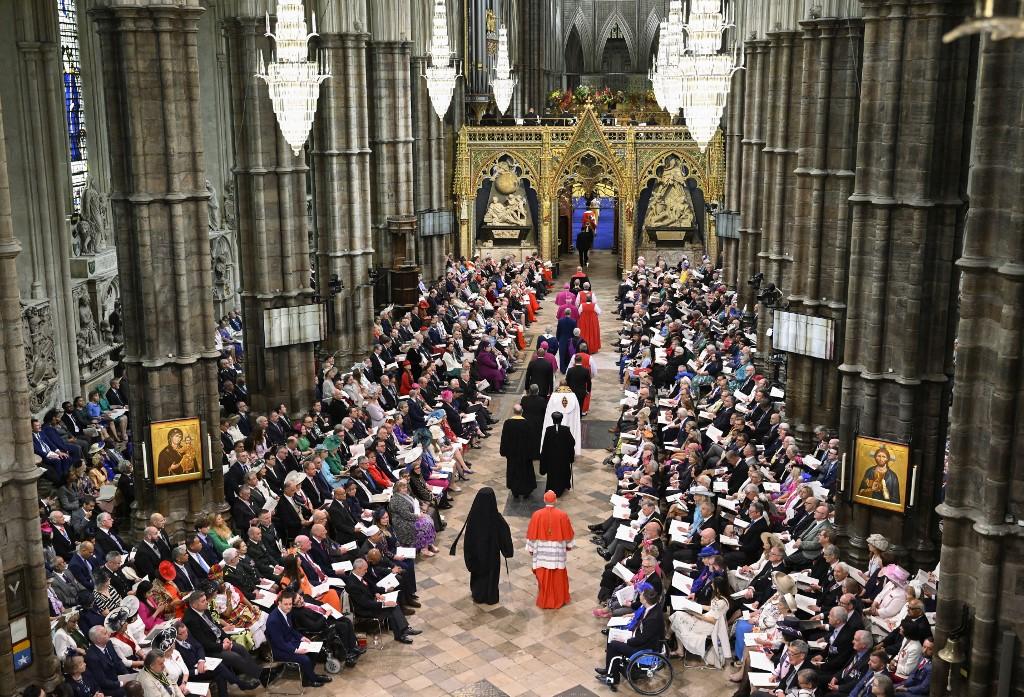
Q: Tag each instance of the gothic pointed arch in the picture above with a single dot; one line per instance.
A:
(649, 37)
(626, 29)
(578, 22)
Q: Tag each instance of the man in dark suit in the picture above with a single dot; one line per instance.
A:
(285, 641)
(342, 524)
(260, 554)
(751, 547)
(148, 554)
(56, 458)
(539, 372)
(277, 428)
(83, 563)
(367, 602)
(214, 641)
(186, 576)
(290, 515)
(844, 680)
(839, 643)
(195, 659)
(762, 585)
(235, 475)
(648, 633)
(62, 537)
(106, 539)
(791, 663)
(242, 510)
(314, 486)
(103, 664)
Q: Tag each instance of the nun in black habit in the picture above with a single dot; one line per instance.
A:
(488, 539)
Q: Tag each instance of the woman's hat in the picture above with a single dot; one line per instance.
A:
(166, 571)
(117, 619)
(95, 448)
(131, 605)
(784, 583)
(878, 542)
(896, 574)
(165, 639)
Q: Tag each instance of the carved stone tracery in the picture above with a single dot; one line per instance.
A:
(40, 355)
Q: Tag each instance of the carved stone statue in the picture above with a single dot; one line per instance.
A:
(229, 205)
(96, 213)
(213, 206)
(87, 330)
(83, 238)
(40, 355)
(511, 211)
(671, 205)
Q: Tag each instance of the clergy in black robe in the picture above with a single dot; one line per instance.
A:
(535, 406)
(557, 455)
(488, 539)
(578, 380)
(515, 448)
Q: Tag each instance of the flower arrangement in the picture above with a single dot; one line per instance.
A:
(605, 99)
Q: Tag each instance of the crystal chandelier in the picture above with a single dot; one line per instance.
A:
(503, 83)
(665, 73)
(440, 73)
(705, 72)
(292, 79)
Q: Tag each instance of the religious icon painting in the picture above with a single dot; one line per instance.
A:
(880, 473)
(177, 450)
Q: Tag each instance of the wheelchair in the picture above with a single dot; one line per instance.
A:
(648, 672)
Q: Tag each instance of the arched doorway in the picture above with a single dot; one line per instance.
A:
(588, 183)
(574, 63)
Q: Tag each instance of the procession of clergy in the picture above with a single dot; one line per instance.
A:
(718, 538)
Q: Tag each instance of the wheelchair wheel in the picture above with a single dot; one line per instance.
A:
(649, 673)
(332, 665)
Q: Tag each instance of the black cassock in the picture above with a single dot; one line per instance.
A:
(578, 380)
(488, 539)
(556, 458)
(515, 448)
(534, 408)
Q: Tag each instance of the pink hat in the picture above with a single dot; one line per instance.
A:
(896, 574)
(446, 394)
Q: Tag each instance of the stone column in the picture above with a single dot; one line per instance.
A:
(390, 140)
(159, 203)
(754, 107)
(780, 155)
(734, 176)
(273, 226)
(982, 550)
(341, 168)
(21, 545)
(37, 160)
(907, 218)
(821, 215)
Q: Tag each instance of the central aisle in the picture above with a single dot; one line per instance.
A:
(515, 647)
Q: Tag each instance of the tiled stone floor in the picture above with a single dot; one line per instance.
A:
(514, 648)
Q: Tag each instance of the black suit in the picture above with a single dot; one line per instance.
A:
(342, 524)
(288, 520)
(147, 560)
(540, 373)
(63, 542)
(185, 577)
(362, 594)
(107, 542)
(751, 546)
(838, 652)
(242, 513)
(647, 635)
(103, 666)
(211, 638)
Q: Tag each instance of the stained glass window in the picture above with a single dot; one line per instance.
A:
(67, 11)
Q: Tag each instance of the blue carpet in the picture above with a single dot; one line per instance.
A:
(604, 238)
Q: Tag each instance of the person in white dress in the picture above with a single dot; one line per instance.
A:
(693, 631)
